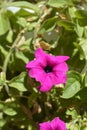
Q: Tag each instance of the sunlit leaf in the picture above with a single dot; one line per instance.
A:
(66, 24)
(79, 30)
(10, 111)
(18, 82)
(48, 25)
(72, 86)
(59, 3)
(4, 23)
(2, 122)
(21, 56)
(9, 37)
(24, 4)
(25, 12)
(81, 14)
(82, 48)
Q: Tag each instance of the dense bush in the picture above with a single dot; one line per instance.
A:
(60, 28)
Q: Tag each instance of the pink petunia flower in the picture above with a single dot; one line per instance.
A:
(55, 124)
(49, 70)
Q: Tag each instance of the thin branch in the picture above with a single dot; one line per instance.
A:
(11, 51)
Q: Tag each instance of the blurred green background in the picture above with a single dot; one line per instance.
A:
(60, 28)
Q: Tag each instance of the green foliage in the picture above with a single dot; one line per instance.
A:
(59, 3)
(59, 27)
(73, 85)
(4, 23)
(48, 25)
(18, 82)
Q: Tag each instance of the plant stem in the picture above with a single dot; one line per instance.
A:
(11, 51)
(42, 17)
(84, 70)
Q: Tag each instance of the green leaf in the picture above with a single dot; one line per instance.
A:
(73, 85)
(81, 14)
(73, 113)
(3, 51)
(23, 13)
(1, 106)
(72, 11)
(82, 17)
(2, 122)
(9, 37)
(10, 111)
(75, 75)
(66, 24)
(82, 22)
(21, 56)
(24, 4)
(4, 23)
(2, 79)
(48, 25)
(83, 45)
(82, 48)
(85, 79)
(27, 45)
(82, 94)
(18, 82)
(73, 126)
(82, 56)
(71, 88)
(59, 3)
(22, 21)
(79, 30)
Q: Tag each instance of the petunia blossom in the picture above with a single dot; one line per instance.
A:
(55, 124)
(48, 69)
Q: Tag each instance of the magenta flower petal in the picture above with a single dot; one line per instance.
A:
(49, 70)
(51, 60)
(57, 78)
(61, 67)
(32, 64)
(45, 126)
(61, 59)
(41, 56)
(61, 77)
(38, 74)
(46, 85)
(55, 124)
(54, 78)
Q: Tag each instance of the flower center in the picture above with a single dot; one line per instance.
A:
(48, 69)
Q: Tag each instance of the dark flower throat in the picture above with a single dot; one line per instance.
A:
(48, 69)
